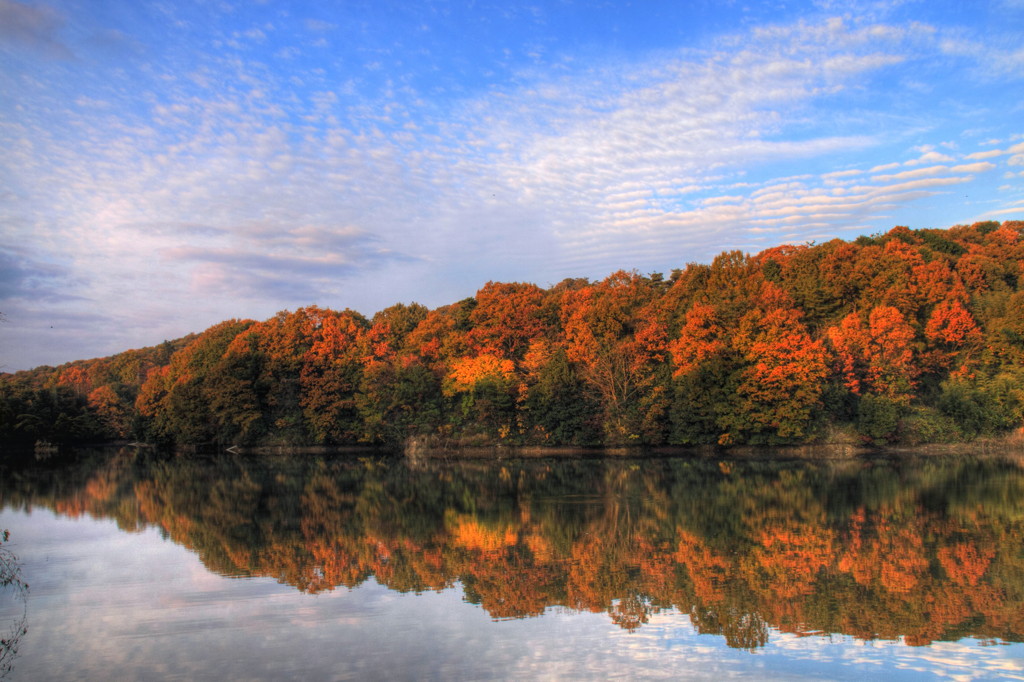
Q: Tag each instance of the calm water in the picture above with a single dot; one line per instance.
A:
(143, 567)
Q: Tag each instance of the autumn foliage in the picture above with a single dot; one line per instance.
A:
(910, 336)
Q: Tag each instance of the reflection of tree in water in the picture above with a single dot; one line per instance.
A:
(630, 612)
(741, 630)
(920, 551)
(14, 590)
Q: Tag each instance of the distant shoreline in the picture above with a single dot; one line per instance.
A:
(1011, 444)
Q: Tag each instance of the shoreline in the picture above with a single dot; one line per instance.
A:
(819, 452)
(423, 449)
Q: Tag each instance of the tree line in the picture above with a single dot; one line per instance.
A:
(910, 336)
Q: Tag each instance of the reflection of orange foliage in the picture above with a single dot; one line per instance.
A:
(894, 570)
(71, 506)
(509, 587)
(433, 558)
(470, 534)
(708, 570)
(902, 571)
(100, 488)
(540, 547)
(791, 556)
(583, 580)
(146, 501)
(892, 556)
(97, 495)
(494, 568)
(336, 565)
(964, 563)
(657, 566)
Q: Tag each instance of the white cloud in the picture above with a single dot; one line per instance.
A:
(972, 168)
(920, 172)
(992, 61)
(990, 154)
(681, 119)
(929, 157)
(838, 176)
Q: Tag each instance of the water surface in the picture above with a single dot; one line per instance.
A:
(142, 566)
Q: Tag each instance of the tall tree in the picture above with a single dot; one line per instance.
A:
(507, 318)
(876, 355)
(331, 374)
(616, 336)
(781, 386)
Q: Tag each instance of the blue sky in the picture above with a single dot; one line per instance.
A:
(168, 165)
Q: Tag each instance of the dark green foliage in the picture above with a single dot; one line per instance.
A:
(936, 241)
(195, 400)
(401, 318)
(234, 401)
(878, 419)
(981, 410)
(556, 409)
(929, 425)
(461, 313)
(772, 270)
(865, 240)
(812, 294)
(56, 415)
(487, 410)
(701, 403)
(398, 402)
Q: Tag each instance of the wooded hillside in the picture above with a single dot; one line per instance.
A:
(912, 336)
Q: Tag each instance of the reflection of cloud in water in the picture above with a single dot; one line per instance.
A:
(965, 660)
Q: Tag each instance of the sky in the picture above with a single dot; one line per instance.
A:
(169, 165)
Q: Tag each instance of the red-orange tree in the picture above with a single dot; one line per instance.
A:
(616, 337)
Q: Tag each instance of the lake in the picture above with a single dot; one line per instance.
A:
(142, 566)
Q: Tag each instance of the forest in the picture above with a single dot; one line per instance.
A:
(907, 337)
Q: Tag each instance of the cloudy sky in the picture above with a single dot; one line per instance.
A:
(167, 165)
